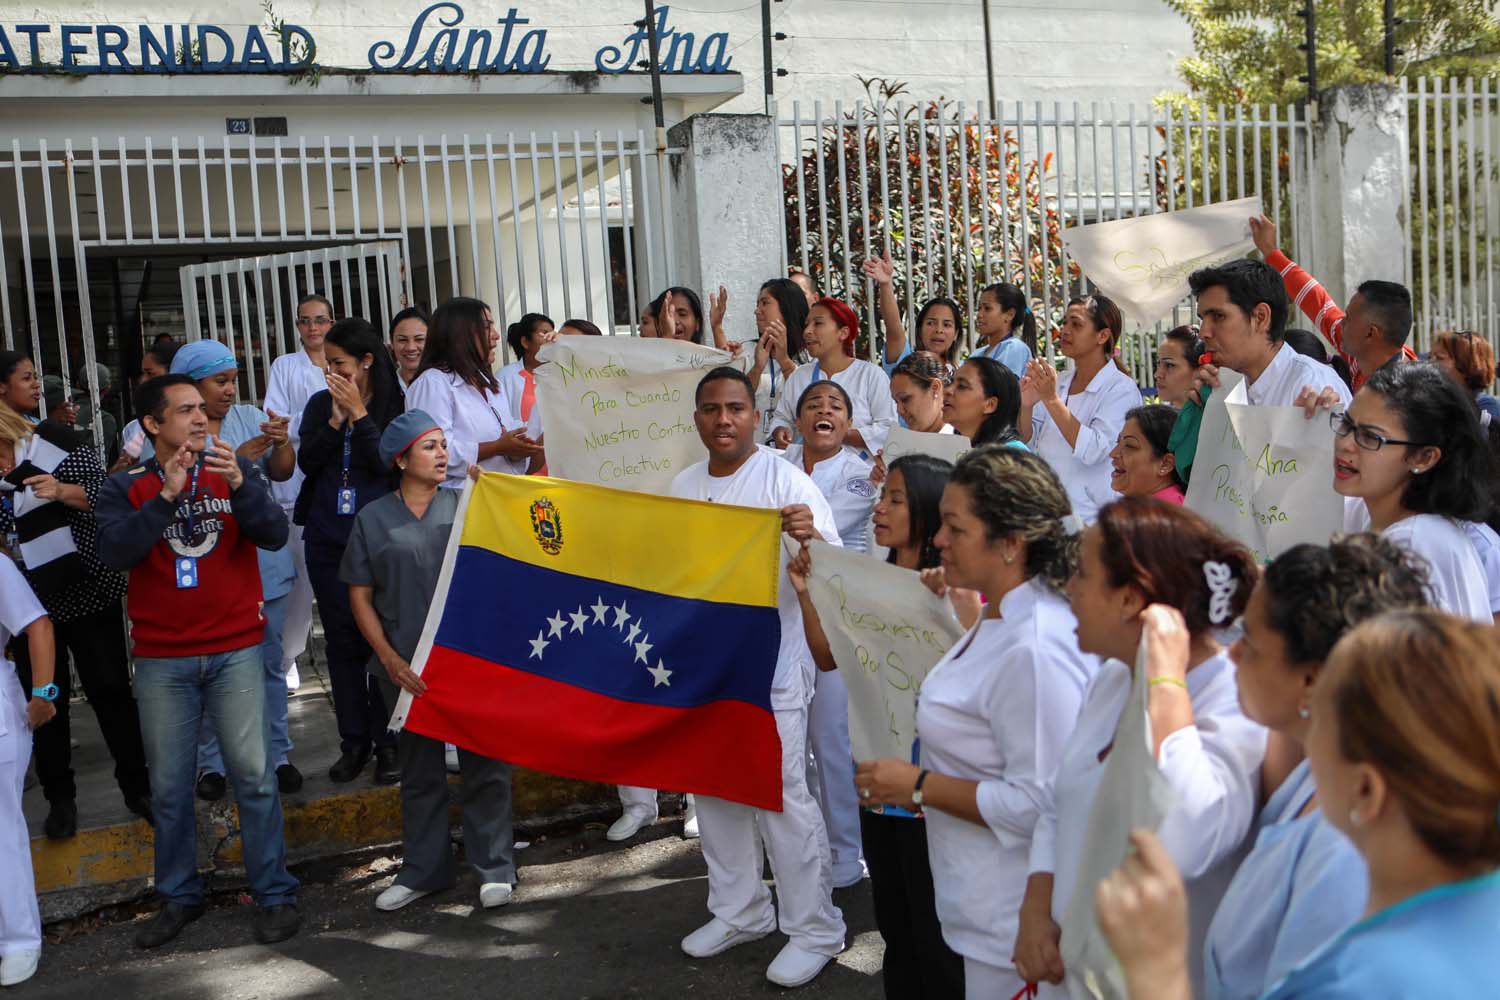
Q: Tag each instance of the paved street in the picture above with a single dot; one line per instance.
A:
(590, 920)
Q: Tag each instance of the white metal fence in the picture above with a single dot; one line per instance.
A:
(1453, 204)
(961, 198)
(529, 223)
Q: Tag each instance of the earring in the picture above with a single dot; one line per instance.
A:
(1009, 560)
(1303, 713)
(1354, 819)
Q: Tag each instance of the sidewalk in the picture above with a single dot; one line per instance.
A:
(110, 859)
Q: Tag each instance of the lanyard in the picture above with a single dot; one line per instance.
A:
(348, 435)
(817, 370)
(191, 495)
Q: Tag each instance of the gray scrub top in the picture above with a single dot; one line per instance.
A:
(400, 557)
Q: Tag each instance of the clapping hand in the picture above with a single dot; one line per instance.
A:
(221, 460)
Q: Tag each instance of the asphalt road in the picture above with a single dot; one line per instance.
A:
(589, 920)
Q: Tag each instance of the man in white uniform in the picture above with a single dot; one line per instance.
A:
(740, 472)
(295, 378)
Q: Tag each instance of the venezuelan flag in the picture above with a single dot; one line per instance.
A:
(608, 635)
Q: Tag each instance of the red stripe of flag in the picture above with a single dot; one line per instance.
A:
(529, 720)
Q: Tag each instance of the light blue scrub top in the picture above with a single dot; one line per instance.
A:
(1011, 352)
(1437, 945)
(1300, 886)
(277, 571)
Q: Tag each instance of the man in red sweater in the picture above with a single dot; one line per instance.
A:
(185, 525)
(1371, 334)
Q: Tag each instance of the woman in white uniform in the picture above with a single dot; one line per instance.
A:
(1411, 459)
(526, 336)
(1303, 882)
(458, 389)
(1145, 559)
(1073, 419)
(829, 336)
(20, 920)
(994, 714)
(984, 404)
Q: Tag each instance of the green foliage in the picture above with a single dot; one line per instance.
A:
(1246, 50)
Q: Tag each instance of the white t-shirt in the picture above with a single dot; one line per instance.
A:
(1213, 767)
(844, 478)
(868, 388)
(1100, 411)
(1487, 548)
(1288, 374)
(1457, 577)
(513, 384)
(998, 709)
(468, 417)
(294, 380)
(765, 480)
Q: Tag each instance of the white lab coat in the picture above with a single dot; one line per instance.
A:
(468, 416)
(20, 919)
(1100, 411)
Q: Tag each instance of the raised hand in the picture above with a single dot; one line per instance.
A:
(1263, 232)
(879, 269)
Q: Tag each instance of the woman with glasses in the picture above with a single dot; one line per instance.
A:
(1073, 419)
(1413, 465)
(457, 388)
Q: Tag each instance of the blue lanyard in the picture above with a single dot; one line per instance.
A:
(348, 435)
(817, 370)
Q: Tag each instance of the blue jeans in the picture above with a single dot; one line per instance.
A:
(175, 696)
(209, 758)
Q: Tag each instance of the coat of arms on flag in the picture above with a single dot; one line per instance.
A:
(607, 635)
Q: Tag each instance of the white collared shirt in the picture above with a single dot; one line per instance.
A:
(468, 416)
(513, 384)
(1455, 575)
(1100, 411)
(294, 380)
(844, 478)
(997, 709)
(766, 480)
(868, 387)
(1288, 374)
(1213, 768)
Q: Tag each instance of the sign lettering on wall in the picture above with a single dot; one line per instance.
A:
(439, 41)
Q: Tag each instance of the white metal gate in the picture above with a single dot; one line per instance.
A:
(248, 303)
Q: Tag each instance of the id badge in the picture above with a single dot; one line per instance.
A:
(186, 573)
(13, 542)
(346, 502)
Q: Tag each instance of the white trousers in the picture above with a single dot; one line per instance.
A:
(735, 835)
(297, 631)
(833, 787)
(983, 981)
(20, 920)
(638, 800)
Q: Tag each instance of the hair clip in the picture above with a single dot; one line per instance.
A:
(1221, 587)
(1072, 525)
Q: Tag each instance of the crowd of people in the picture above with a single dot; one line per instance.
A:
(1326, 727)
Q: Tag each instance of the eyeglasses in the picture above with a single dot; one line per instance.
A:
(314, 321)
(1364, 437)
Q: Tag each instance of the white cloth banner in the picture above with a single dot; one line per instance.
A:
(1133, 794)
(618, 411)
(1264, 474)
(886, 630)
(1143, 263)
(903, 441)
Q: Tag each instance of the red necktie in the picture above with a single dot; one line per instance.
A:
(528, 393)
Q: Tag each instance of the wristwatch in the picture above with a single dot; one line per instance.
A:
(46, 693)
(916, 792)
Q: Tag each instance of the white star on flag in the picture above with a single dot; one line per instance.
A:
(557, 623)
(660, 674)
(621, 616)
(641, 649)
(579, 618)
(538, 644)
(600, 609)
(635, 630)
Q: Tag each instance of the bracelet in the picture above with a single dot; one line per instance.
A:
(1176, 681)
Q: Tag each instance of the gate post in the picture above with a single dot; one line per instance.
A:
(1358, 187)
(726, 193)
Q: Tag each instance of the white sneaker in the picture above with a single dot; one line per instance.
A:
(627, 826)
(845, 875)
(19, 966)
(398, 896)
(795, 966)
(716, 937)
(690, 820)
(293, 678)
(493, 894)
(450, 758)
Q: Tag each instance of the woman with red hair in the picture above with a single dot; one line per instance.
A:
(829, 339)
(1468, 359)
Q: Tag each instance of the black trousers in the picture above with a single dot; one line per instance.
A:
(919, 965)
(358, 705)
(97, 645)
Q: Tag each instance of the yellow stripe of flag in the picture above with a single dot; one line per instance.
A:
(681, 548)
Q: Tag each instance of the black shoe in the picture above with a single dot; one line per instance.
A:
(141, 806)
(348, 766)
(62, 820)
(288, 779)
(167, 924)
(387, 766)
(276, 923)
(211, 786)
